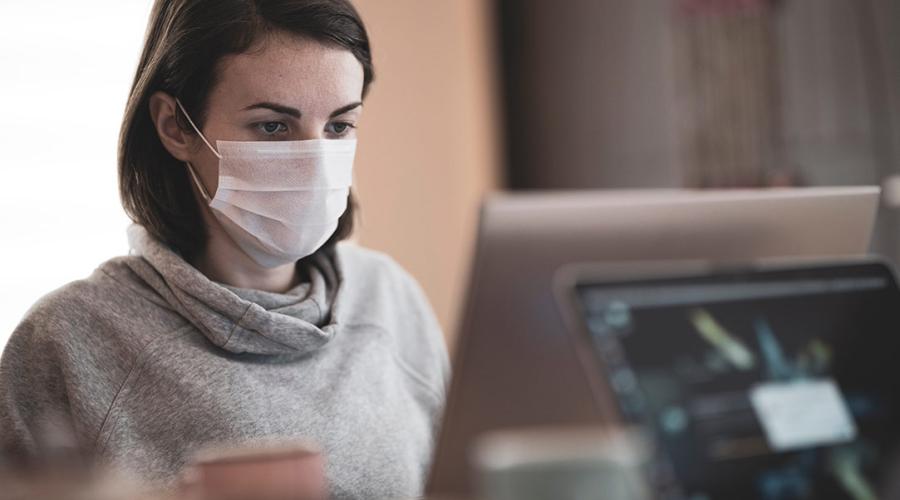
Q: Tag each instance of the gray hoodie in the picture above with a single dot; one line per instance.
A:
(147, 361)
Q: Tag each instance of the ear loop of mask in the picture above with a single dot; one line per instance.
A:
(200, 185)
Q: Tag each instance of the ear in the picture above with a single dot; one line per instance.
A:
(176, 141)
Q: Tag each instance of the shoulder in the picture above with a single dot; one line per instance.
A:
(68, 356)
(93, 329)
(380, 291)
(88, 313)
(374, 272)
(71, 304)
(374, 276)
(358, 260)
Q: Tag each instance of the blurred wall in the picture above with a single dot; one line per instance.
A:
(428, 140)
(591, 91)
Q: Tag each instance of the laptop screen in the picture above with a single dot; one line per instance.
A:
(758, 384)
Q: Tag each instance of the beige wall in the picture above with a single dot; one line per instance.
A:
(428, 140)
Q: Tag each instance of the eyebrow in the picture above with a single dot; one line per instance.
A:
(294, 112)
(344, 109)
(285, 110)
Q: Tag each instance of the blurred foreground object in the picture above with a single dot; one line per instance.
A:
(59, 470)
(73, 484)
(562, 464)
(288, 471)
(891, 191)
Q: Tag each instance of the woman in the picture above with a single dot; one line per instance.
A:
(237, 315)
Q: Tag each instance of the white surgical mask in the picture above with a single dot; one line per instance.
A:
(279, 200)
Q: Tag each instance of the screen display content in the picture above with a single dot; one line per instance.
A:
(766, 385)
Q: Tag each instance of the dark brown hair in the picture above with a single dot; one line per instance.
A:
(184, 42)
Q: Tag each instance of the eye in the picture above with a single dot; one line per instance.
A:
(340, 128)
(272, 128)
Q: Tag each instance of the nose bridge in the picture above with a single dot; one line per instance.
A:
(311, 128)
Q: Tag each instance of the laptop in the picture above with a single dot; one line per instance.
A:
(759, 382)
(514, 366)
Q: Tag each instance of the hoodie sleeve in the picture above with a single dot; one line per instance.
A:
(34, 415)
(61, 369)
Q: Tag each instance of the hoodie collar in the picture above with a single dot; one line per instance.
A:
(243, 320)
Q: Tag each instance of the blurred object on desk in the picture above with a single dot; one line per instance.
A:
(258, 471)
(562, 464)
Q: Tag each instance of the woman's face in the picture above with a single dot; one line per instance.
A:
(287, 88)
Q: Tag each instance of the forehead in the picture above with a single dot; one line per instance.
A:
(290, 70)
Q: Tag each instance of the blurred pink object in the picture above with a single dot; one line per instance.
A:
(289, 471)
